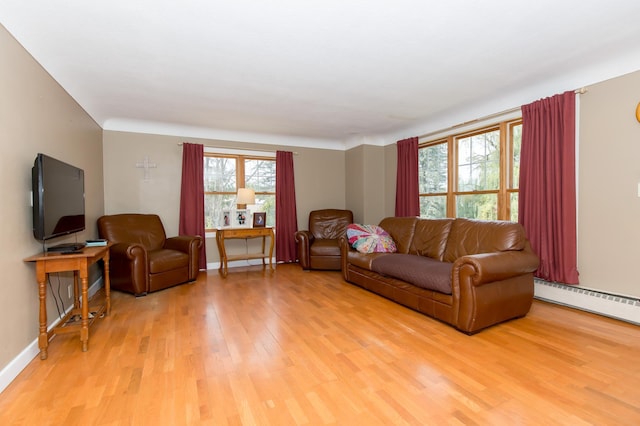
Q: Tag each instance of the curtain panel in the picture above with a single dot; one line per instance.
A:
(407, 193)
(192, 196)
(547, 201)
(286, 214)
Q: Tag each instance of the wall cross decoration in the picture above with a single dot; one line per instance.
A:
(146, 165)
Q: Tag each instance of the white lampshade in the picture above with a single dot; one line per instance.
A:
(246, 196)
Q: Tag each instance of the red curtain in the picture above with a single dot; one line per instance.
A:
(286, 214)
(192, 196)
(407, 194)
(547, 201)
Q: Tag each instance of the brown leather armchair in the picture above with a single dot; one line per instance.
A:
(142, 258)
(318, 246)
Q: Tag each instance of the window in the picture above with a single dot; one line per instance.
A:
(225, 173)
(472, 175)
(433, 179)
(515, 140)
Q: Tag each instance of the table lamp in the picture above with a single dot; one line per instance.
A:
(245, 196)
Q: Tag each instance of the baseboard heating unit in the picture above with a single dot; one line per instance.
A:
(624, 308)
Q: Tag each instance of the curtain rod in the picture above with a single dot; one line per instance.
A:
(579, 91)
(239, 149)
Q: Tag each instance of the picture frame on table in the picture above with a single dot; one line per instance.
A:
(241, 218)
(259, 219)
(226, 218)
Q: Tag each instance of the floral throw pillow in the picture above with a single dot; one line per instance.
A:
(370, 239)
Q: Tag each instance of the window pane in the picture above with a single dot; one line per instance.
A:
(465, 178)
(267, 203)
(479, 162)
(433, 169)
(514, 206)
(214, 205)
(433, 207)
(219, 174)
(516, 135)
(477, 206)
(260, 175)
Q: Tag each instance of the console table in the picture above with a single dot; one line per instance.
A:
(223, 234)
(79, 263)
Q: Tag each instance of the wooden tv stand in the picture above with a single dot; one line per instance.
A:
(79, 263)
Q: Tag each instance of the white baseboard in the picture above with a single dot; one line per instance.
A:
(625, 308)
(11, 370)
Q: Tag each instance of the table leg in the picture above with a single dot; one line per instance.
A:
(76, 290)
(272, 236)
(223, 254)
(84, 329)
(107, 284)
(43, 338)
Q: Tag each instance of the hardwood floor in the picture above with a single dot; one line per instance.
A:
(291, 347)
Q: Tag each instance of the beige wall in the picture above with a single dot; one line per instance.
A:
(36, 115)
(319, 178)
(390, 170)
(367, 184)
(126, 190)
(354, 183)
(320, 181)
(609, 174)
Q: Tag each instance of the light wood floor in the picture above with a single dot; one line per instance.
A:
(294, 347)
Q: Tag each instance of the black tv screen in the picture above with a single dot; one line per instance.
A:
(58, 198)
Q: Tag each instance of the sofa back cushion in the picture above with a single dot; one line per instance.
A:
(144, 229)
(430, 237)
(401, 230)
(329, 224)
(469, 236)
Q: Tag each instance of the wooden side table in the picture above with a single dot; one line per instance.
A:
(223, 234)
(79, 263)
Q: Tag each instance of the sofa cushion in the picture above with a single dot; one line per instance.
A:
(329, 224)
(401, 230)
(420, 271)
(430, 237)
(370, 239)
(323, 247)
(363, 260)
(144, 229)
(468, 236)
(164, 260)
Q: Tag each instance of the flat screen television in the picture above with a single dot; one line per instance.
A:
(58, 198)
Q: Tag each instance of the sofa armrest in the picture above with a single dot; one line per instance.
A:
(184, 243)
(343, 242)
(130, 251)
(304, 239)
(490, 267)
(128, 267)
(189, 244)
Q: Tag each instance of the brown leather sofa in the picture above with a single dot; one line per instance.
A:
(142, 258)
(470, 274)
(318, 246)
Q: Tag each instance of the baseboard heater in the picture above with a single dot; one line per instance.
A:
(624, 308)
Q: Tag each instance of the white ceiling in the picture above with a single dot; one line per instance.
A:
(318, 71)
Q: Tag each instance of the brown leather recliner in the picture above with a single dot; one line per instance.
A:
(318, 246)
(142, 258)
